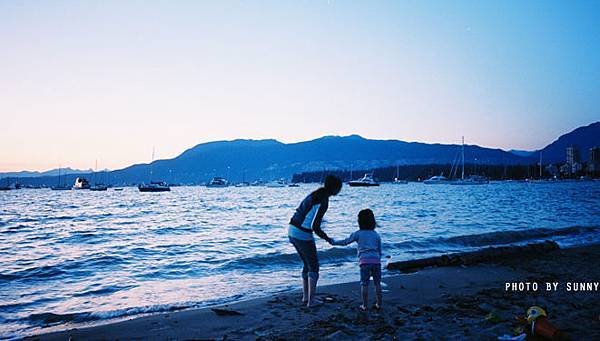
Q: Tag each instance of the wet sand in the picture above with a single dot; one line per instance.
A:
(447, 302)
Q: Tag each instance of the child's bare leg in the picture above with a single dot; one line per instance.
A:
(377, 282)
(378, 295)
(364, 292)
(365, 277)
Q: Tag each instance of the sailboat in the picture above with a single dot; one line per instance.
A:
(97, 186)
(277, 183)
(154, 186)
(59, 186)
(541, 180)
(397, 179)
(471, 180)
(244, 183)
(257, 182)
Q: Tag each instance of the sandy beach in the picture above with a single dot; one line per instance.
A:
(446, 302)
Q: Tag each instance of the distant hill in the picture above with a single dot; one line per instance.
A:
(583, 137)
(52, 172)
(523, 153)
(271, 159)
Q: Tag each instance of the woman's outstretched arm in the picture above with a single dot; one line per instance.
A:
(353, 237)
(316, 225)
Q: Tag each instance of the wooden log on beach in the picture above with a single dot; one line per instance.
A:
(489, 254)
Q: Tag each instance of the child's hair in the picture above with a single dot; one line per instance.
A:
(366, 220)
(333, 184)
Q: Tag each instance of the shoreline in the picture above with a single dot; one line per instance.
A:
(455, 302)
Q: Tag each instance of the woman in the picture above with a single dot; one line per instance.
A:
(306, 220)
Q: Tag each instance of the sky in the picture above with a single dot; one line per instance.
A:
(82, 81)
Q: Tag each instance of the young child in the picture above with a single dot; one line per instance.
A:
(369, 255)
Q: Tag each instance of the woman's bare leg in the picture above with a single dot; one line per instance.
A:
(304, 290)
(312, 290)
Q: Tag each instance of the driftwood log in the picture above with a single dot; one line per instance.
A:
(489, 254)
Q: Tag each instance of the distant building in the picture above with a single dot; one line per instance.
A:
(595, 155)
(576, 167)
(565, 169)
(572, 155)
(552, 170)
(594, 160)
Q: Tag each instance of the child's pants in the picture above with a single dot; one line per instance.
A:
(370, 270)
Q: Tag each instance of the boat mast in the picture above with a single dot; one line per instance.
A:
(463, 158)
(151, 162)
(540, 165)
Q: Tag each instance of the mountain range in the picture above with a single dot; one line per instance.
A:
(52, 172)
(583, 138)
(270, 159)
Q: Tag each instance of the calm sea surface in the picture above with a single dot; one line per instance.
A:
(73, 258)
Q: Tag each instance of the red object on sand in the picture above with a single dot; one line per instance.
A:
(542, 327)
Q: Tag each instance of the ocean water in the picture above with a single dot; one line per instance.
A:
(75, 258)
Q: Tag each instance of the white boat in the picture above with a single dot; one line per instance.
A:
(471, 180)
(258, 182)
(541, 180)
(365, 181)
(81, 183)
(397, 180)
(277, 183)
(154, 186)
(243, 183)
(97, 186)
(218, 182)
(59, 186)
(437, 180)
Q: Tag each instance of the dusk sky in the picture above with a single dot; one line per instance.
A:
(108, 80)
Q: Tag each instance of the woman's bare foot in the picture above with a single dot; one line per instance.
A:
(314, 303)
(362, 307)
